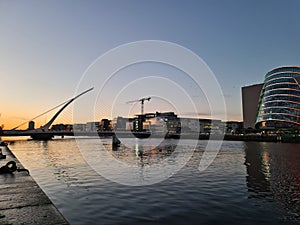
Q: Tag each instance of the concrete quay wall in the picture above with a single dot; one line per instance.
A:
(22, 201)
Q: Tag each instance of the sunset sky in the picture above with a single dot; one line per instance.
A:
(47, 46)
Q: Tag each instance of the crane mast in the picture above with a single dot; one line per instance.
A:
(142, 100)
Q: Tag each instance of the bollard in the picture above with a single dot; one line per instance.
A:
(115, 142)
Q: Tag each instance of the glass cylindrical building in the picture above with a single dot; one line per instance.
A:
(279, 104)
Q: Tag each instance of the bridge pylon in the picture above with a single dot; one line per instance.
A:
(43, 131)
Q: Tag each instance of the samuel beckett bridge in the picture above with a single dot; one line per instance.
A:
(45, 133)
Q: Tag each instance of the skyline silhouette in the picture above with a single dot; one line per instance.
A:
(46, 47)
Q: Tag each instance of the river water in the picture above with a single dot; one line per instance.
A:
(247, 183)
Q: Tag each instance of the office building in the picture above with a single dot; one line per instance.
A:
(279, 104)
(250, 101)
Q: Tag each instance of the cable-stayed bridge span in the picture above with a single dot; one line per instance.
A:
(44, 132)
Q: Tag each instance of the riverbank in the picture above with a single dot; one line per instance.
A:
(247, 137)
(264, 138)
(22, 201)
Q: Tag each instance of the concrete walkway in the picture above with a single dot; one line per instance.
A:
(22, 201)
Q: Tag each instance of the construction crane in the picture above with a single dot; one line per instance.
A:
(142, 100)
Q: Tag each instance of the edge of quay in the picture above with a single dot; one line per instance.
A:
(22, 201)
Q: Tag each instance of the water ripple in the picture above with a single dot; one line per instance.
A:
(248, 183)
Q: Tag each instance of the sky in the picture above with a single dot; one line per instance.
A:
(46, 48)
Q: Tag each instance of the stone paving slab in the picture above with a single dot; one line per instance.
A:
(22, 201)
(40, 214)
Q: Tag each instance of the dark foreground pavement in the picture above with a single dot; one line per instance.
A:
(22, 201)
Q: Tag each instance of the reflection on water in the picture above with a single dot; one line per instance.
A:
(59, 155)
(274, 175)
(143, 152)
(257, 162)
(248, 183)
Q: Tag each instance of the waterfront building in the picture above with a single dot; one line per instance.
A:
(156, 124)
(31, 125)
(202, 126)
(173, 123)
(105, 125)
(62, 127)
(250, 101)
(92, 126)
(121, 123)
(170, 123)
(159, 122)
(233, 126)
(138, 123)
(279, 104)
(129, 125)
(79, 127)
(190, 125)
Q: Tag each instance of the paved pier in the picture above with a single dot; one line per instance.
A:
(22, 201)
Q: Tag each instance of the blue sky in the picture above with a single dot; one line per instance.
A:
(46, 46)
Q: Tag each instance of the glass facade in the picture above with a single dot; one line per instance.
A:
(279, 104)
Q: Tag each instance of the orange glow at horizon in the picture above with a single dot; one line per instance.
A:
(10, 120)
